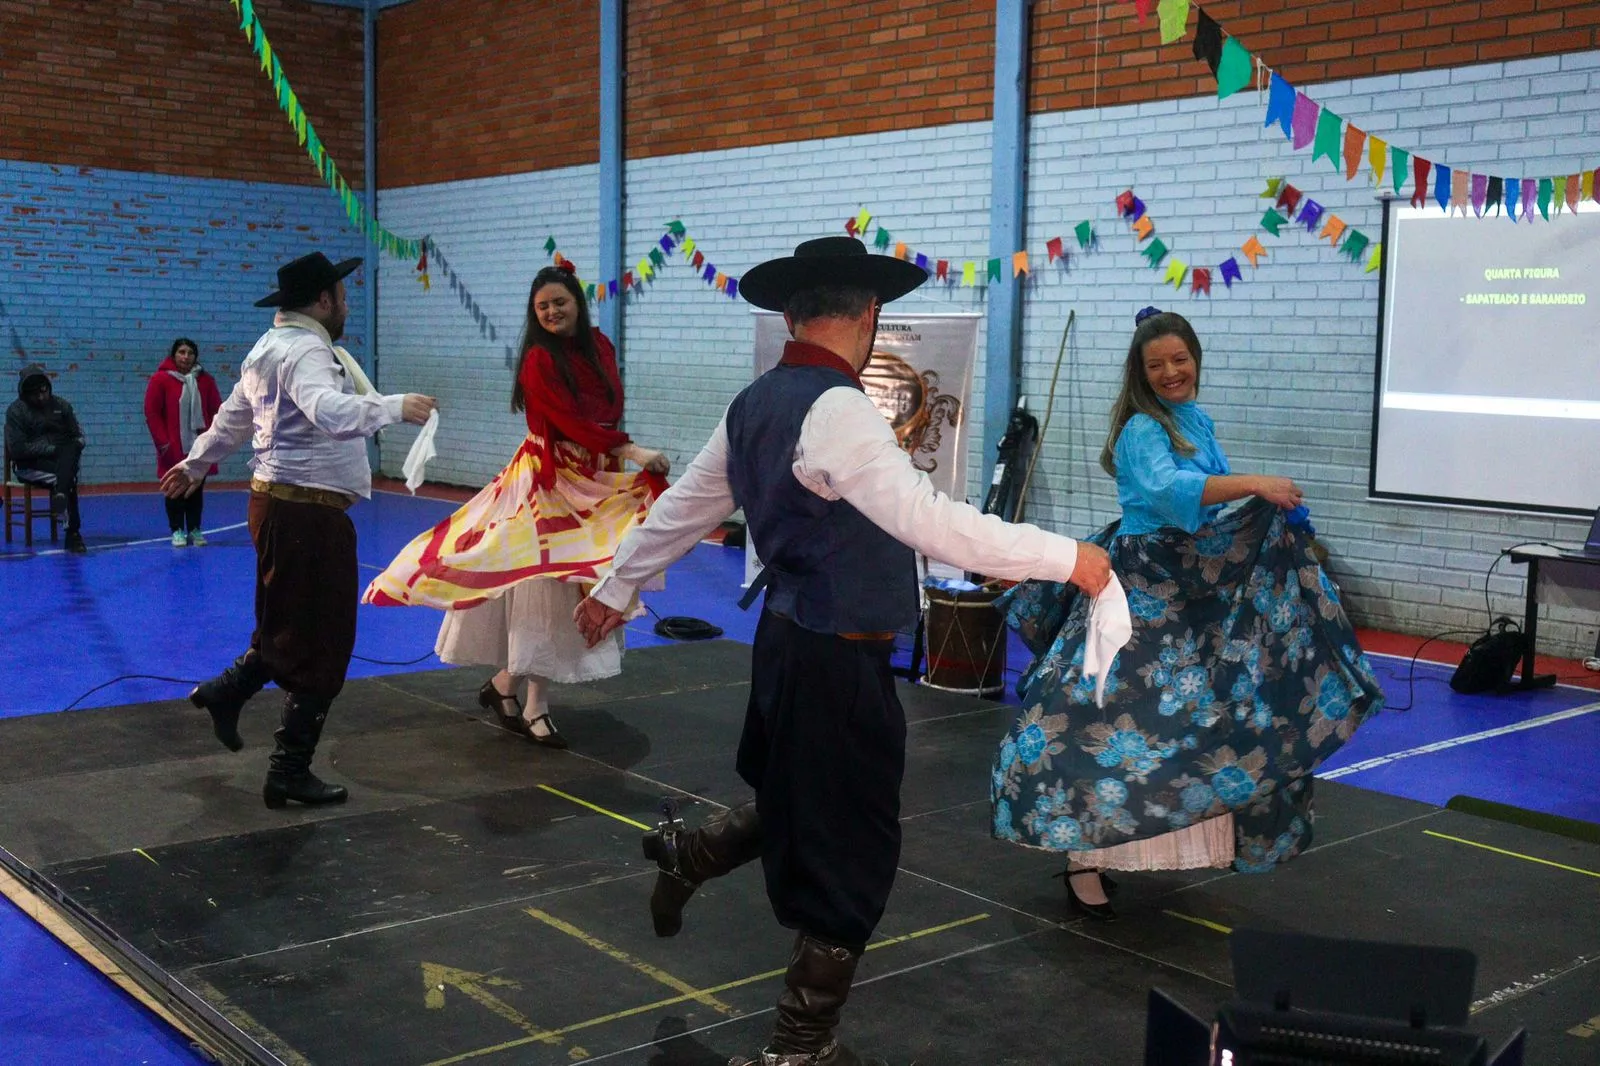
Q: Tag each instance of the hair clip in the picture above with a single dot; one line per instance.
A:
(1146, 313)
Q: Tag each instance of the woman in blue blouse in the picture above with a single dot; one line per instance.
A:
(1242, 676)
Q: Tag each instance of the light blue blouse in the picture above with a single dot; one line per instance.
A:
(1157, 486)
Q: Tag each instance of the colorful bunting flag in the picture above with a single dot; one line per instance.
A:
(969, 274)
(1085, 234)
(1143, 227)
(1176, 269)
(1272, 222)
(1202, 281)
(1377, 157)
(1273, 185)
(1174, 15)
(1054, 250)
(1354, 141)
(1397, 166)
(1208, 41)
(1252, 250)
(1377, 258)
(1305, 120)
(1154, 252)
(1019, 263)
(1333, 229)
(1230, 271)
(1281, 100)
(1330, 129)
(1310, 215)
(943, 270)
(1235, 69)
(1289, 200)
(1419, 175)
(994, 270)
(1354, 245)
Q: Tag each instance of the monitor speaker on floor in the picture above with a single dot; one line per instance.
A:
(1314, 1000)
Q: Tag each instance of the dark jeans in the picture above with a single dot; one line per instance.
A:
(824, 747)
(185, 511)
(63, 465)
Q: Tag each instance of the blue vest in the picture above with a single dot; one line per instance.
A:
(829, 568)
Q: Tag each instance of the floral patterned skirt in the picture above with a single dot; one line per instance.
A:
(1242, 676)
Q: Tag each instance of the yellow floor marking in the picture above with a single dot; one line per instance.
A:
(1514, 854)
(597, 808)
(1584, 1030)
(245, 1022)
(475, 986)
(674, 1000)
(1214, 926)
(141, 851)
(639, 965)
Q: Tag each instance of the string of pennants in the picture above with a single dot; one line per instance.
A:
(306, 134)
(674, 240)
(994, 269)
(1289, 204)
(1305, 123)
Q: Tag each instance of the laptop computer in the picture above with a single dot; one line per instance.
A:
(1591, 546)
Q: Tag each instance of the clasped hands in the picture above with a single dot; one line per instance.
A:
(595, 620)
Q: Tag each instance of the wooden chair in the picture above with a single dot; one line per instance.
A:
(22, 508)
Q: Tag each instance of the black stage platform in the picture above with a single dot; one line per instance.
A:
(481, 900)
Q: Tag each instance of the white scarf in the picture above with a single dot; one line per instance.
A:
(191, 412)
(358, 377)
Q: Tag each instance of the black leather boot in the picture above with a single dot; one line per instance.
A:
(225, 695)
(726, 841)
(290, 776)
(815, 989)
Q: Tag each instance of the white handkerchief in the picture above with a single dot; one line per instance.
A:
(1110, 629)
(422, 450)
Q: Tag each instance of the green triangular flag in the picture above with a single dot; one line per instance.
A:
(1399, 165)
(1235, 69)
(1546, 191)
(657, 258)
(1155, 251)
(881, 241)
(549, 246)
(675, 227)
(1354, 245)
(994, 270)
(1272, 222)
(1174, 16)
(1085, 233)
(1330, 137)
(589, 291)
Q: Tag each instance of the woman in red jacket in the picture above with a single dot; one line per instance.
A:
(509, 567)
(179, 403)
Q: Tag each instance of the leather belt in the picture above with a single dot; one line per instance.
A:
(279, 490)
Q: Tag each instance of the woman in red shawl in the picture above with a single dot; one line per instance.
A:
(179, 403)
(509, 567)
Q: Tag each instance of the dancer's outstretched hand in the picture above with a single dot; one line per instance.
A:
(595, 620)
(176, 483)
(1092, 571)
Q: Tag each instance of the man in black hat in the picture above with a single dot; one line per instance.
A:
(836, 510)
(307, 408)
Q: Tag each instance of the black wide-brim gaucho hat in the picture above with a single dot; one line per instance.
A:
(299, 282)
(841, 261)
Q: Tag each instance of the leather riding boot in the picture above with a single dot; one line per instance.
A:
(290, 776)
(815, 989)
(224, 695)
(727, 840)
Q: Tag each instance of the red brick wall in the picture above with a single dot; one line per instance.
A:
(172, 87)
(476, 88)
(708, 74)
(1306, 42)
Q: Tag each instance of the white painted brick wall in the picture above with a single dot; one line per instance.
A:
(1289, 352)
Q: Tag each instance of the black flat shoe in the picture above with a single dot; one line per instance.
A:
(552, 739)
(1111, 887)
(1100, 912)
(492, 699)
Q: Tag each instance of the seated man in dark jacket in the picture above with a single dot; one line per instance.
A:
(45, 442)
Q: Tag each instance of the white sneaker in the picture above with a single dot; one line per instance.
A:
(179, 540)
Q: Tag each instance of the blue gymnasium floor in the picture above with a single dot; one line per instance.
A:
(135, 605)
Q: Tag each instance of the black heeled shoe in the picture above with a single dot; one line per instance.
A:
(1100, 912)
(552, 739)
(492, 699)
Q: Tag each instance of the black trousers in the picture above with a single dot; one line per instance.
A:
(185, 511)
(824, 747)
(64, 465)
(306, 593)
